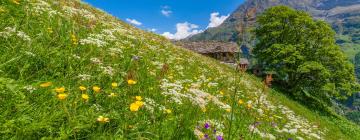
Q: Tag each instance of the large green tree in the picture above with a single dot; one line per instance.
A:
(303, 53)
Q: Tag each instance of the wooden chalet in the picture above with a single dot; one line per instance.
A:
(226, 52)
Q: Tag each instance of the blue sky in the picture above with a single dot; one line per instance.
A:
(191, 16)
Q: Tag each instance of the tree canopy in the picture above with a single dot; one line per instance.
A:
(303, 53)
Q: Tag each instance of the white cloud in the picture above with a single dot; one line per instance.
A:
(133, 21)
(183, 30)
(216, 19)
(166, 11)
(152, 30)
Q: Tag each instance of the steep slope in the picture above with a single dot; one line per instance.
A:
(344, 15)
(70, 71)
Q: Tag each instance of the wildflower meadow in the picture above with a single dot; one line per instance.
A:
(71, 71)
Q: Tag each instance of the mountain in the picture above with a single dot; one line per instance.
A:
(71, 71)
(343, 15)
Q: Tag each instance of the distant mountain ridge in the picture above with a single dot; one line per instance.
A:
(343, 15)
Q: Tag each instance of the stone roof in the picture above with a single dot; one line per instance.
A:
(205, 47)
(244, 61)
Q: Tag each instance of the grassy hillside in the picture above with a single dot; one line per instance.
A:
(69, 71)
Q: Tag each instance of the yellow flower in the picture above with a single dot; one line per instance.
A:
(131, 82)
(60, 90)
(62, 96)
(248, 106)
(221, 92)
(228, 110)
(203, 110)
(2, 10)
(96, 89)
(74, 39)
(50, 30)
(168, 111)
(102, 119)
(134, 107)
(201, 135)
(16, 2)
(47, 84)
(138, 98)
(112, 95)
(114, 85)
(85, 97)
(139, 103)
(240, 102)
(82, 88)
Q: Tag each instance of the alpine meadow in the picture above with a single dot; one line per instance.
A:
(69, 70)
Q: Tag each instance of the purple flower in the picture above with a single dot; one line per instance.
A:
(290, 139)
(207, 126)
(214, 130)
(219, 138)
(206, 136)
(256, 124)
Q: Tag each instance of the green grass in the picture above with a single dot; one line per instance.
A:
(180, 90)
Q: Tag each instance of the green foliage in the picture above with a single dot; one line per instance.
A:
(354, 116)
(303, 53)
(71, 45)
